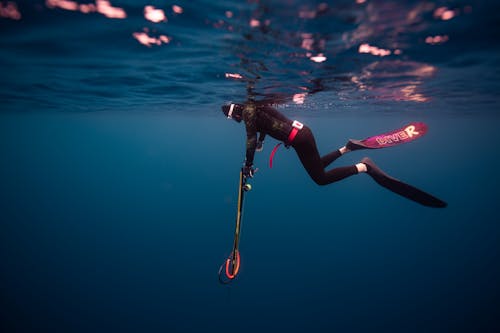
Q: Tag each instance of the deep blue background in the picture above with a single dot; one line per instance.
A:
(114, 222)
(118, 173)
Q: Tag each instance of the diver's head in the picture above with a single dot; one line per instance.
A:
(233, 111)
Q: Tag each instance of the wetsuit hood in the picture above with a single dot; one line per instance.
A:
(233, 111)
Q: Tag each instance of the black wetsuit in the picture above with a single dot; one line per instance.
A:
(267, 120)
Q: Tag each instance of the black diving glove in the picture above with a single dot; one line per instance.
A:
(260, 145)
(248, 171)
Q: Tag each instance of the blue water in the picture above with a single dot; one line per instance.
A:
(119, 174)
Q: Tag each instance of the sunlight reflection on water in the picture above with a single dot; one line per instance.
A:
(281, 50)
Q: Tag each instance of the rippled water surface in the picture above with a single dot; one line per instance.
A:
(89, 56)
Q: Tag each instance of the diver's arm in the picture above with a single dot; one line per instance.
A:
(250, 118)
(251, 146)
(260, 142)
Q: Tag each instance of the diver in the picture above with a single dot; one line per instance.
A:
(261, 120)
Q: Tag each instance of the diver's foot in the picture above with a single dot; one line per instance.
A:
(373, 170)
(353, 144)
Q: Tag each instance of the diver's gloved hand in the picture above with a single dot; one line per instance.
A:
(260, 146)
(248, 171)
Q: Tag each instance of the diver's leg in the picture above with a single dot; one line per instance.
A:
(327, 159)
(305, 146)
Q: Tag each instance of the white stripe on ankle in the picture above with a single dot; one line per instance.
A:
(361, 167)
